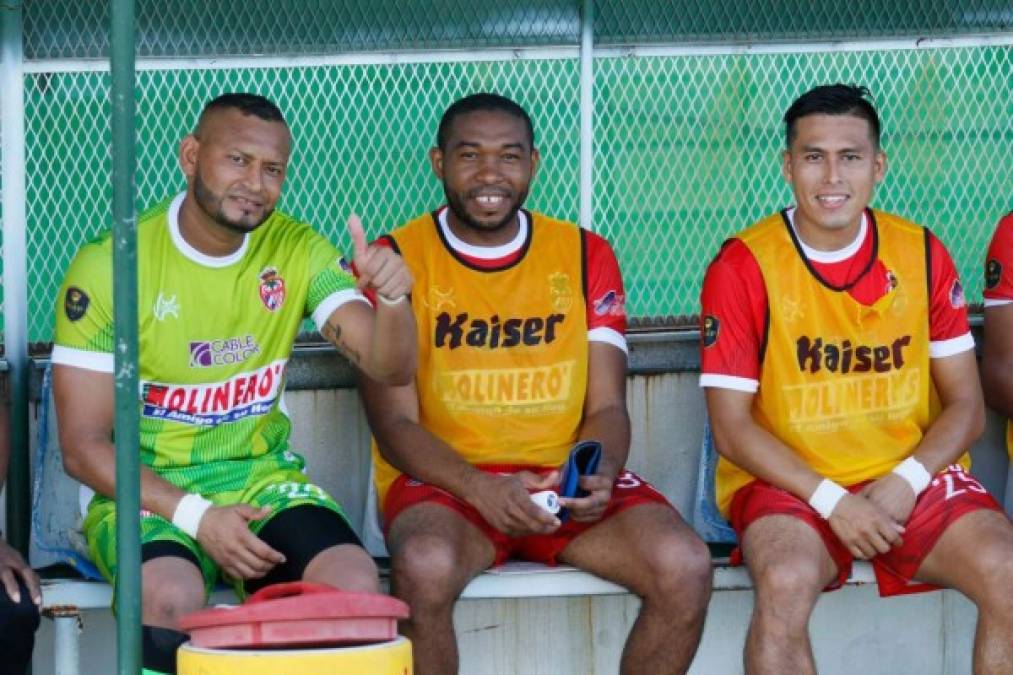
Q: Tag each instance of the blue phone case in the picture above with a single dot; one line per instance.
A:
(583, 461)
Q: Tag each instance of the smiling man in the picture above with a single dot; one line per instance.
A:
(224, 284)
(843, 394)
(522, 352)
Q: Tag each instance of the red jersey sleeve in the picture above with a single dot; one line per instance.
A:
(949, 331)
(606, 298)
(999, 264)
(733, 320)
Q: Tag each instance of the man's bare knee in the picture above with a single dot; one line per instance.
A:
(794, 582)
(678, 573)
(426, 569)
(347, 566)
(995, 572)
(168, 599)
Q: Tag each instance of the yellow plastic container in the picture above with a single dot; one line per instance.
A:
(385, 658)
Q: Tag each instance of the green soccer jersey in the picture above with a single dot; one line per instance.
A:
(215, 337)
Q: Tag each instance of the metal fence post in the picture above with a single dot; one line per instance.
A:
(128, 493)
(587, 115)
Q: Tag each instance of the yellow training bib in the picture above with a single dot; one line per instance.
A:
(502, 353)
(845, 385)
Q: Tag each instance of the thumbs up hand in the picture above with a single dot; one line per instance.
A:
(378, 267)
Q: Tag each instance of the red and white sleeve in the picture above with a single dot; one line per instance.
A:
(733, 320)
(606, 297)
(999, 265)
(949, 330)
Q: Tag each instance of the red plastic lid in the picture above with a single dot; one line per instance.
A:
(298, 613)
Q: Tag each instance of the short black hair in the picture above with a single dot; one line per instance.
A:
(481, 101)
(833, 99)
(248, 104)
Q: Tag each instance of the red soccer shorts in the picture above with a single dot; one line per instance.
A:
(628, 491)
(950, 495)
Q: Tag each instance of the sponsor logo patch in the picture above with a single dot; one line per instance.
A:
(612, 303)
(210, 353)
(957, 295)
(248, 394)
(272, 289)
(345, 266)
(709, 332)
(166, 306)
(75, 304)
(993, 273)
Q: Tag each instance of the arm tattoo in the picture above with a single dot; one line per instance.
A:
(332, 333)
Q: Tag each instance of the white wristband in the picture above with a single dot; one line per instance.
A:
(189, 512)
(915, 473)
(547, 499)
(391, 302)
(824, 499)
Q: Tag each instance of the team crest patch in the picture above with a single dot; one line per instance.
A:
(345, 266)
(560, 291)
(993, 273)
(709, 332)
(891, 281)
(957, 295)
(612, 303)
(272, 289)
(75, 304)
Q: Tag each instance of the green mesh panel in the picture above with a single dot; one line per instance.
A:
(362, 134)
(686, 148)
(688, 152)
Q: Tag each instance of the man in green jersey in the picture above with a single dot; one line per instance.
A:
(224, 284)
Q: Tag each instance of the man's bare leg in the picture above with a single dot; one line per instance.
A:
(652, 552)
(975, 556)
(790, 566)
(435, 552)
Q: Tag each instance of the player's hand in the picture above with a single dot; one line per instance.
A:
(12, 566)
(379, 267)
(893, 494)
(592, 507)
(505, 502)
(864, 528)
(224, 533)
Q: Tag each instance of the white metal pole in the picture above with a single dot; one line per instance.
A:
(67, 641)
(587, 115)
(15, 272)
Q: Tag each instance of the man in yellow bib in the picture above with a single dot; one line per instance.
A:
(843, 392)
(521, 354)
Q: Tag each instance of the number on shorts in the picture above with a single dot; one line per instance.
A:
(627, 481)
(953, 475)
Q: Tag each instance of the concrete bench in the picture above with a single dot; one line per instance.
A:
(521, 610)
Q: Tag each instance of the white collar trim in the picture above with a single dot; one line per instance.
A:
(188, 251)
(485, 252)
(840, 254)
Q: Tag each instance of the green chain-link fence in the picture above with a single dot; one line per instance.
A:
(685, 146)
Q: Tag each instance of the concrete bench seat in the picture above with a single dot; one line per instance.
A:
(513, 580)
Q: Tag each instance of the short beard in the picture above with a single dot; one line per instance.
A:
(211, 204)
(461, 214)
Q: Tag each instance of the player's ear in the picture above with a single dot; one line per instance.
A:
(436, 161)
(536, 159)
(786, 165)
(188, 149)
(879, 165)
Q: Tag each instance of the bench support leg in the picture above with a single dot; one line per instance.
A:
(66, 639)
